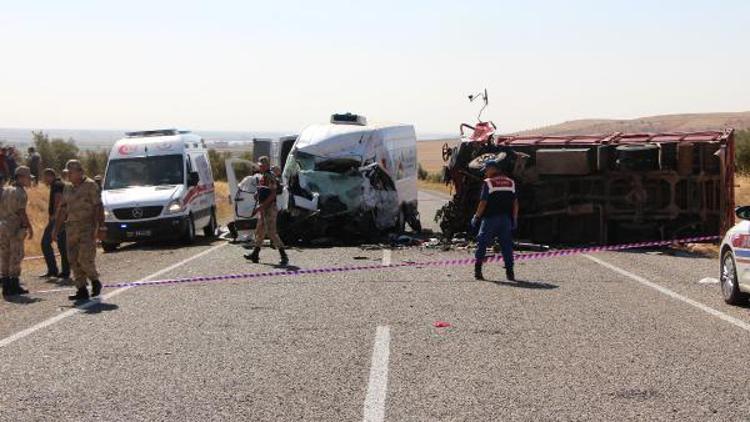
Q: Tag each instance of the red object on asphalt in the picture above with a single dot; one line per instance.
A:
(441, 324)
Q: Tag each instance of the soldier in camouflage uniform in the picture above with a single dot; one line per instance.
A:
(14, 228)
(266, 211)
(82, 211)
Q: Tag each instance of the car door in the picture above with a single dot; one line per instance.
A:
(242, 186)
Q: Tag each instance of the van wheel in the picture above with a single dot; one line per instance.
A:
(210, 229)
(189, 236)
(110, 247)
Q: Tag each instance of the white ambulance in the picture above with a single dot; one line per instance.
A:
(158, 185)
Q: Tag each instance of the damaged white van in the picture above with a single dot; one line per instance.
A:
(158, 185)
(350, 177)
(341, 178)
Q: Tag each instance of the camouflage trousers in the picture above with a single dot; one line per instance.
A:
(267, 227)
(81, 252)
(11, 250)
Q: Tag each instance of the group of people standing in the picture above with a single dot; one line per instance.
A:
(75, 222)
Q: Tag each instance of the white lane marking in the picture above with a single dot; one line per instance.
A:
(709, 280)
(377, 387)
(386, 257)
(57, 318)
(709, 310)
(61, 289)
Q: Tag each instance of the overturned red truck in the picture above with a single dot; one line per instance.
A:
(604, 189)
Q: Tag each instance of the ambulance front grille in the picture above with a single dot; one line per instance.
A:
(137, 213)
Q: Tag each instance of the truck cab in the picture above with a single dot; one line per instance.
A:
(158, 185)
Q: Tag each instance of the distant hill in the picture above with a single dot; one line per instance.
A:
(665, 123)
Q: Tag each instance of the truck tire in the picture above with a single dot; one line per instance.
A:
(189, 236)
(210, 230)
(109, 247)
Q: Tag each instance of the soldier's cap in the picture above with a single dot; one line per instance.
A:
(22, 171)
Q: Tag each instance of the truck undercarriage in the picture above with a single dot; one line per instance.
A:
(600, 189)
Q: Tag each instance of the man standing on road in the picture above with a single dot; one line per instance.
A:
(266, 211)
(14, 227)
(56, 187)
(83, 214)
(35, 163)
(496, 217)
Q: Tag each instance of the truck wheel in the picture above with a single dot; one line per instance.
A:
(110, 247)
(729, 286)
(210, 229)
(189, 235)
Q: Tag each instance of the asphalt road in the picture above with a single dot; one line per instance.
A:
(613, 336)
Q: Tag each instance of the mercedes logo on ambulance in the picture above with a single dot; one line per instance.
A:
(137, 212)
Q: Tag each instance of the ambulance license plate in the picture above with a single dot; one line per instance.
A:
(139, 233)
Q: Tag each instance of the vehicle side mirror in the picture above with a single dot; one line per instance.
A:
(743, 213)
(193, 178)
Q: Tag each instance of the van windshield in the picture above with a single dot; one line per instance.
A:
(144, 171)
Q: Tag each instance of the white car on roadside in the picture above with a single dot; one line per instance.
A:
(735, 260)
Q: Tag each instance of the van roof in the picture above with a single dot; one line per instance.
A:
(158, 142)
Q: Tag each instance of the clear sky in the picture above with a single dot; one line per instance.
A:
(279, 65)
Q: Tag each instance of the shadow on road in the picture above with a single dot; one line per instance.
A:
(163, 245)
(537, 285)
(22, 300)
(98, 307)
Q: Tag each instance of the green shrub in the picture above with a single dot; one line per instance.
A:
(55, 152)
(422, 174)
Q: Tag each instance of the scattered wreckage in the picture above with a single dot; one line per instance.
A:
(345, 179)
(604, 189)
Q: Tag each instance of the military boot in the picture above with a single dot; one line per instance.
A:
(81, 295)
(509, 275)
(284, 258)
(254, 256)
(15, 284)
(96, 288)
(478, 270)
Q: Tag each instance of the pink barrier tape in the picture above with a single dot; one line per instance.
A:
(446, 262)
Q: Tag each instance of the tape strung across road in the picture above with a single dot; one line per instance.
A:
(437, 263)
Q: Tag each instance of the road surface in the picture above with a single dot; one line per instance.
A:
(610, 336)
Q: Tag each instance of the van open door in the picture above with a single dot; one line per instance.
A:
(242, 191)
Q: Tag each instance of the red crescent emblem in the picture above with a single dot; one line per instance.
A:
(125, 149)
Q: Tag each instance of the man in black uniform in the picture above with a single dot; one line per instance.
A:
(496, 217)
(56, 187)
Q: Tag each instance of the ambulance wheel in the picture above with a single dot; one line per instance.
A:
(730, 288)
(189, 236)
(110, 247)
(210, 229)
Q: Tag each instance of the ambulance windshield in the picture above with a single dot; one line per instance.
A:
(144, 171)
